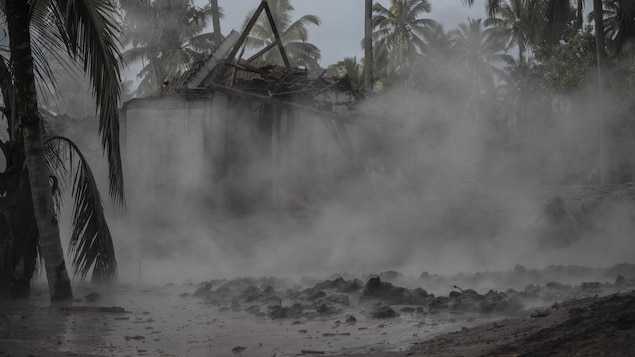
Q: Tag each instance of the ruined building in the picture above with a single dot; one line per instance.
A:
(238, 132)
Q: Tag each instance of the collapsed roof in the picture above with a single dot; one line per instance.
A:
(270, 83)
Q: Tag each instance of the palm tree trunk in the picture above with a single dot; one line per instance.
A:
(32, 133)
(368, 46)
(598, 16)
(216, 19)
(579, 15)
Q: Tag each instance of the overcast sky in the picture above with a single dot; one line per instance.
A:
(342, 27)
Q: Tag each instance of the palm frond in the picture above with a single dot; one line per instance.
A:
(91, 244)
(89, 32)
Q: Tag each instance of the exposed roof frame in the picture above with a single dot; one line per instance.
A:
(264, 6)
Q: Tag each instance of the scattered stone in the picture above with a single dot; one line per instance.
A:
(591, 285)
(330, 334)
(284, 312)
(350, 319)
(326, 309)
(94, 296)
(113, 309)
(135, 337)
(620, 280)
(541, 312)
(311, 352)
(203, 290)
(384, 312)
(376, 289)
(238, 349)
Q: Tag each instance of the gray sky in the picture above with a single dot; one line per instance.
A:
(342, 27)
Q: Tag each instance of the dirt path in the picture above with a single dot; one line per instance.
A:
(585, 327)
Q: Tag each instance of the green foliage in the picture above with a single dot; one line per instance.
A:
(399, 32)
(569, 64)
(166, 36)
(348, 67)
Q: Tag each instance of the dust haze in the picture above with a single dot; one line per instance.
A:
(445, 187)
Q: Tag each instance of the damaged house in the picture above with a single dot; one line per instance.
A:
(238, 133)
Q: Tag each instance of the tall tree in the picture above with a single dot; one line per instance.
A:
(293, 34)
(88, 31)
(368, 45)
(400, 30)
(216, 15)
(600, 51)
(479, 48)
(520, 21)
(167, 36)
(620, 24)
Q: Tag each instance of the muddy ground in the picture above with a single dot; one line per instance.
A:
(559, 310)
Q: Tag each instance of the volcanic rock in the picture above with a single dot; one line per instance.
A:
(384, 312)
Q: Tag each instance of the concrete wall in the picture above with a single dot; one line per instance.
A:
(225, 150)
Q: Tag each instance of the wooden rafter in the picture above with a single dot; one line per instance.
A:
(264, 6)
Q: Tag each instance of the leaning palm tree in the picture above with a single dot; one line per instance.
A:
(87, 30)
(400, 30)
(166, 36)
(293, 34)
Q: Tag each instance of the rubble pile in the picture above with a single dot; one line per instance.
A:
(378, 299)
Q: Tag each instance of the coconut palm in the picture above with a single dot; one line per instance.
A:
(479, 47)
(368, 45)
(520, 21)
(349, 67)
(87, 30)
(293, 34)
(619, 19)
(400, 31)
(216, 16)
(170, 38)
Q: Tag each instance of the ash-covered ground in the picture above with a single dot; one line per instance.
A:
(275, 316)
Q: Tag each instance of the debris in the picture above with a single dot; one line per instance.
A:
(238, 349)
(384, 312)
(540, 313)
(113, 309)
(326, 309)
(203, 290)
(135, 337)
(94, 296)
(330, 334)
(311, 352)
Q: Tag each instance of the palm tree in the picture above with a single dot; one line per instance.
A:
(368, 45)
(351, 68)
(520, 21)
(554, 13)
(87, 30)
(169, 41)
(216, 16)
(399, 30)
(478, 47)
(293, 34)
(619, 19)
